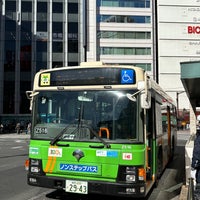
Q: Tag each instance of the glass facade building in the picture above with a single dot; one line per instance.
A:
(41, 34)
(34, 35)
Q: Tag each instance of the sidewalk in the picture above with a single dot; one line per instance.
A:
(186, 131)
(15, 135)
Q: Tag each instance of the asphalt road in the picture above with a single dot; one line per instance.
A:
(13, 185)
(13, 153)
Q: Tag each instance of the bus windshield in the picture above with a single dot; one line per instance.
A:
(80, 114)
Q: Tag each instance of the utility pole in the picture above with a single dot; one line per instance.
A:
(155, 40)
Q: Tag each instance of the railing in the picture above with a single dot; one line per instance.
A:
(190, 195)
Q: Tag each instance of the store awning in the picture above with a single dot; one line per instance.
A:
(190, 77)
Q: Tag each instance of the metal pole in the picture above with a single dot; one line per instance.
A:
(190, 195)
(155, 41)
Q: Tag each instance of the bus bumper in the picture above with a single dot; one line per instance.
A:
(94, 187)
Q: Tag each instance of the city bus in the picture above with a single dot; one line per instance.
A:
(99, 129)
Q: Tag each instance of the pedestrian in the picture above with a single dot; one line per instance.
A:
(1, 128)
(28, 128)
(18, 128)
(195, 166)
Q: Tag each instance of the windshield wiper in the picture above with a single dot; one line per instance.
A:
(101, 140)
(57, 138)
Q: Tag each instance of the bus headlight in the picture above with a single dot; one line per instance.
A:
(35, 169)
(130, 178)
(35, 166)
(130, 170)
(34, 162)
(130, 174)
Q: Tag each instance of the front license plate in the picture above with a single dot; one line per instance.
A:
(80, 187)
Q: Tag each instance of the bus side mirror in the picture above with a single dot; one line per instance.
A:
(146, 94)
(145, 98)
(30, 95)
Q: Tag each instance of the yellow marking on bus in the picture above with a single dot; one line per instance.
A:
(52, 165)
(48, 164)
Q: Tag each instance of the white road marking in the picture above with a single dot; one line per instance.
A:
(18, 147)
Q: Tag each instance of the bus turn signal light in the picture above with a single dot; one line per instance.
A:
(26, 165)
(141, 174)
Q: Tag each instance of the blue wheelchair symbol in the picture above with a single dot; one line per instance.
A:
(127, 76)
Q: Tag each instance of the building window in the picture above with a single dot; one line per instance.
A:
(9, 60)
(123, 19)
(123, 35)
(145, 66)
(57, 64)
(41, 55)
(124, 51)
(72, 27)
(10, 6)
(57, 7)
(8, 100)
(42, 26)
(41, 46)
(25, 57)
(57, 47)
(41, 65)
(73, 8)
(42, 16)
(57, 27)
(124, 3)
(26, 7)
(72, 46)
(10, 25)
(26, 10)
(72, 63)
(10, 10)
(24, 102)
(42, 7)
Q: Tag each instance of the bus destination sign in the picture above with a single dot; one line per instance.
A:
(89, 76)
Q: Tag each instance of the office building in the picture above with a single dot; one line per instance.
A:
(40, 34)
(34, 35)
(120, 32)
(178, 41)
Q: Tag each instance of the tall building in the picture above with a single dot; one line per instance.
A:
(154, 35)
(178, 42)
(40, 34)
(34, 35)
(120, 32)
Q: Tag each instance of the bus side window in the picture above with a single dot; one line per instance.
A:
(149, 121)
(127, 122)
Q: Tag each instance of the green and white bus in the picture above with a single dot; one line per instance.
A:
(99, 129)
